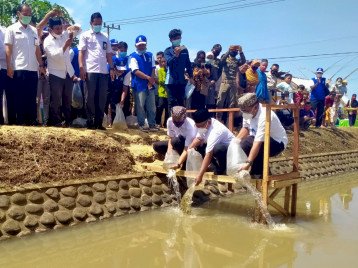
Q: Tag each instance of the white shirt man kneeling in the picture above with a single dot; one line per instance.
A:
(252, 134)
(212, 142)
(181, 132)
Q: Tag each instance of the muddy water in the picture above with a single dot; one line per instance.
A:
(219, 234)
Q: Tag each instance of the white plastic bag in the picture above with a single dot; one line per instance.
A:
(193, 163)
(119, 121)
(105, 121)
(235, 157)
(77, 98)
(171, 159)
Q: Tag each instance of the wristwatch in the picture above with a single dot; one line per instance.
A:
(249, 162)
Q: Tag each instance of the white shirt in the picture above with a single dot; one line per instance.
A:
(187, 130)
(96, 47)
(256, 126)
(133, 64)
(58, 62)
(2, 48)
(24, 42)
(127, 79)
(217, 133)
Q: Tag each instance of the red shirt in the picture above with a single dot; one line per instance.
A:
(328, 102)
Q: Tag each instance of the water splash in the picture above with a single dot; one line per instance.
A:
(173, 182)
(243, 177)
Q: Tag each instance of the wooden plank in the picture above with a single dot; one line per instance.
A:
(296, 139)
(286, 176)
(191, 174)
(284, 183)
(231, 121)
(266, 155)
(286, 205)
(275, 193)
(281, 106)
(294, 200)
(278, 207)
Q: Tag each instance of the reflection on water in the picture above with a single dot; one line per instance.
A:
(219, 234)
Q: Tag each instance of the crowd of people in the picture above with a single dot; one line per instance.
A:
(40, 65)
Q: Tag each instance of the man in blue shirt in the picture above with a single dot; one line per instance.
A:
(319, 91)
(119, 87)
(262, 92)
(142, 65)
(178, 62)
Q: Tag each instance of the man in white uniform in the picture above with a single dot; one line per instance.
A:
(252, 133)
(94, 53)
(23, 60)
(61, 72)
(212, 142)
(181, 132)
(3, 76)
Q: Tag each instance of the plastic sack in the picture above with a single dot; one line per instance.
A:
(77, 97)
(193, 163)
(105, 121)
(132, 121)
(171, 159)
(119, 121)
(189, 89)
(235, 157)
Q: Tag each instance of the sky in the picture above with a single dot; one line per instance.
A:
(281, 29)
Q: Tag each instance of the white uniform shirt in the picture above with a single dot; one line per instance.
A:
(187, 130)
(24, 42)
(2, 48)
(127, 79)
(217, 133)
(58, 62)
(96, 47)
(256, 126)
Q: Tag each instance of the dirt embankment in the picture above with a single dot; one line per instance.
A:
(32, 155)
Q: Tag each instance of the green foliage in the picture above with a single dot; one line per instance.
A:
(39, 10)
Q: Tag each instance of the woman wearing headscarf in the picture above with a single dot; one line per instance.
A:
(252, 76)
(201, 74)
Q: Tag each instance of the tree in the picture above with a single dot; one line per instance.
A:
(39, 10)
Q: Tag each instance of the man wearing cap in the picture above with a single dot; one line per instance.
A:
(252, 133)
(181, 132)
(23, 60)
(319, 91)
(142, 65)
(94, 54)
(228, 94)
(61, 72)
(178, 62)
(212, 142)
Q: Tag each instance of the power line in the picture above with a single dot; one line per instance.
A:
(174, 12)
(314, 55)
(197, 13)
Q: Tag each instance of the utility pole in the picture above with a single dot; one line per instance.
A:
(111, 27)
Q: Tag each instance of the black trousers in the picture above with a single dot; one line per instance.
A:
(61, 99)
(257, 166)
(176, 95)
(162, 106)
(219, 157)
(318, 106)
(96, 88)
(161, 147)
(24, 89)
(197, 100)
(352, 119)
